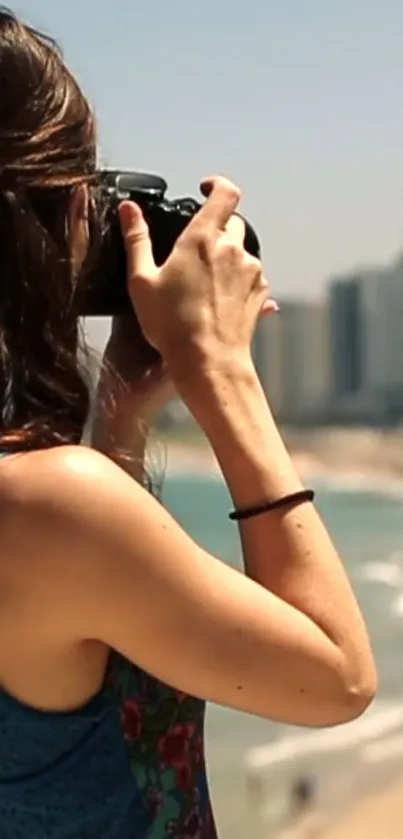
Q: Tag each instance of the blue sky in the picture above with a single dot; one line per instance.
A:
(300, 101)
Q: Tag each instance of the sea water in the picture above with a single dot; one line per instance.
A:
(254, 763)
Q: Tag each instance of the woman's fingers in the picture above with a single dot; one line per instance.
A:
(139, 253)
(222, 199)
(235, 230)
(269, 307)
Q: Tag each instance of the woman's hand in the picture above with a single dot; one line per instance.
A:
(201, 307)
(131, 390)
(296, 616)
(199, 310)
(140, 383)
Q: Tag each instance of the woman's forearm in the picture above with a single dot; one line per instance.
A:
(131, 390)
(119, 429)
(288, 551)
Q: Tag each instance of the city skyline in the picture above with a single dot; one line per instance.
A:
(297, 101)
(337, 359)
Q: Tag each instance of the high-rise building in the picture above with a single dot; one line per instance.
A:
(291, 351)
(268, 355)
(345, 336)
(305, 358)
(382, 335)
(395, 331)
(366, 339)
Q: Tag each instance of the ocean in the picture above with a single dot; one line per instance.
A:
(253, 763)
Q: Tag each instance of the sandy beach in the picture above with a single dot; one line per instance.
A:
(183, 457)
(378, 816)
(371, 457)
(326, 453)
(339, 454)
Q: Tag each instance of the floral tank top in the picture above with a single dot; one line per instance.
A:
(129, 765)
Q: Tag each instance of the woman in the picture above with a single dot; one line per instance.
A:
(112, 618)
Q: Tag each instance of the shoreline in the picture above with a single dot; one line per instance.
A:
(340, 467)
(372, 816)
(349, 460)
(376, 815)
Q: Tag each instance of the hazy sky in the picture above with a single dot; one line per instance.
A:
(300, 101)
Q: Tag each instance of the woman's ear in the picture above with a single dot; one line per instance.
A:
(78, 226)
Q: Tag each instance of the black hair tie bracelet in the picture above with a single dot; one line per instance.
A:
(300, 497)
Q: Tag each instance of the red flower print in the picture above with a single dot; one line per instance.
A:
(131, 718)
(198, 750)
(154, 800)
(174, 746)
(193, 823)
(209, 826)
(184, 776)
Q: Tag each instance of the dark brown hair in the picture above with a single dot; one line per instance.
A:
(47, 148)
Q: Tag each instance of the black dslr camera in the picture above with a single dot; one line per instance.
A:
(105, 291)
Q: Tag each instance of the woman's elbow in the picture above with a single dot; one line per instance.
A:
(354, 696)
(359, 696)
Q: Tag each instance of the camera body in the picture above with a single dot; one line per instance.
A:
(106, 288)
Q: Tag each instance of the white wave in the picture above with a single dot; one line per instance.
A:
(397, 606)
(358, 483)
(192, 472)
(383, 751)
(389, 573)
(382, 720)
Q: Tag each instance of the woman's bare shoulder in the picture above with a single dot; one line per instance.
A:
(27, 476)
(59, 489)
(59, 504)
